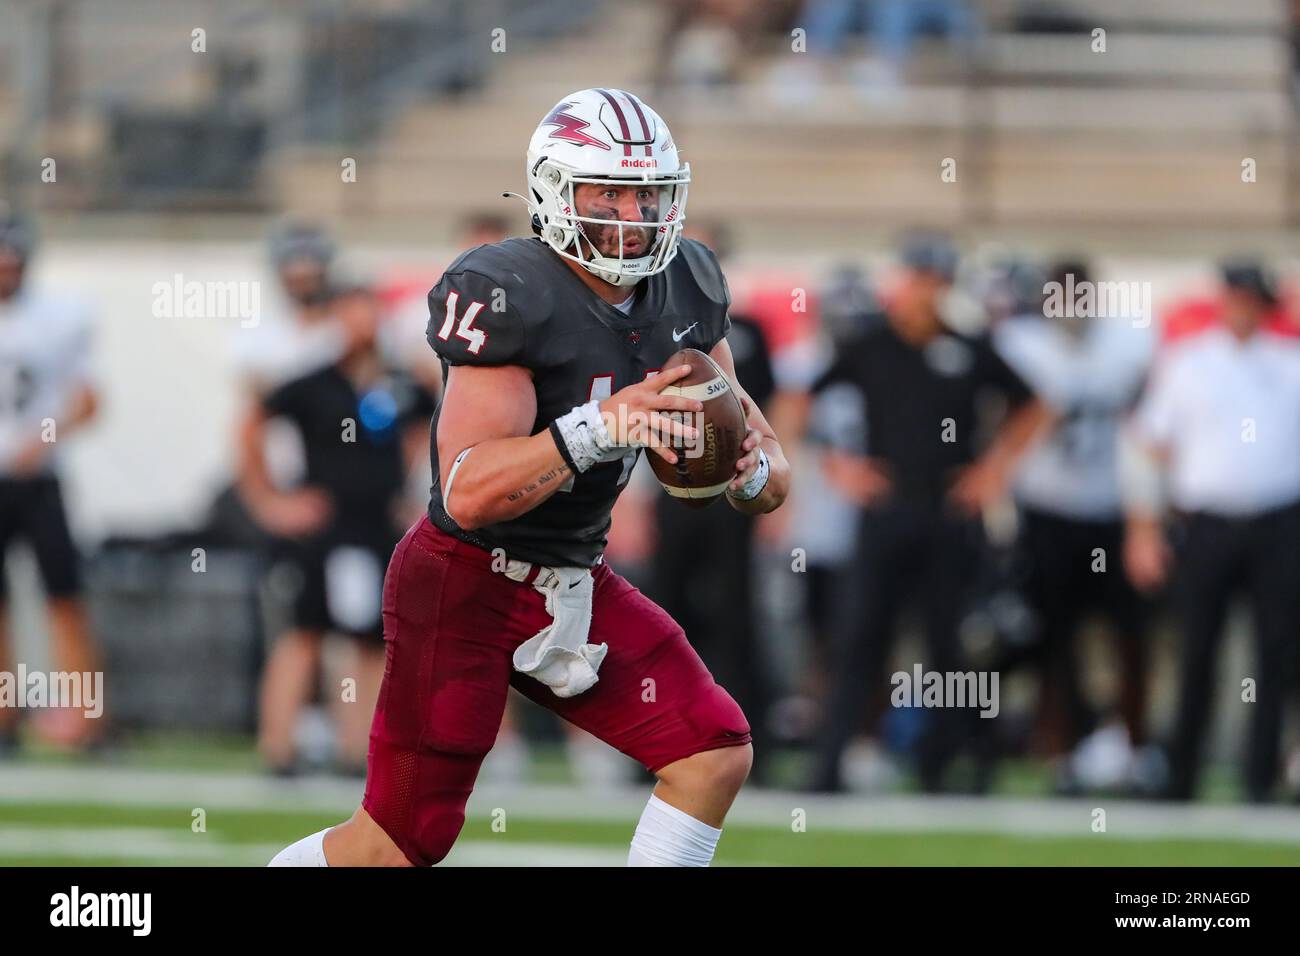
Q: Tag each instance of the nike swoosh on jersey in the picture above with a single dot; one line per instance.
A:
(678, 336)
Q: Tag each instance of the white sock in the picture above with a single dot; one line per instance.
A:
(309, 851)
(667, 836)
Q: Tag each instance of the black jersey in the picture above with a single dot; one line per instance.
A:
(517, 303)
(364, 470)
(925, 406)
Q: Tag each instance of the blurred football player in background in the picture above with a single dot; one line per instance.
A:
(1089, 369)
(47, 392)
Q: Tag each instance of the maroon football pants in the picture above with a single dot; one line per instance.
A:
(451, 625)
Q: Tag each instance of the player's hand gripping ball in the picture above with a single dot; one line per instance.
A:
(705, 465)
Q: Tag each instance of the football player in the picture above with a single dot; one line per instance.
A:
(47, 392)
(552, 345)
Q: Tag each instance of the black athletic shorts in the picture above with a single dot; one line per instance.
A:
(338, 578)
(31, 510)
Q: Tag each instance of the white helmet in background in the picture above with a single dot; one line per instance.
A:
(605, 137)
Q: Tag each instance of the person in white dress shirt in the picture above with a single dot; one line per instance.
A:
(1215, 443)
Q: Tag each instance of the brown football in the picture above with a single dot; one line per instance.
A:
(706, 465)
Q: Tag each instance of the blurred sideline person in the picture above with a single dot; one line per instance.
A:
(45, 377)
(702, 568)
(361, 423)
(922, 487)
(1216, 439)
(301, 336)
(823, 518)
(1089, 370)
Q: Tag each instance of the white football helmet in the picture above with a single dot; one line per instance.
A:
(606, 137)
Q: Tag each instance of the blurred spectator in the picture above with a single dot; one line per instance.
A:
(341, 524)
(922, 486)
(1089, 370)
(1216, 438)
(703, 42)
(46, 393)
(1293, 23)
(894, 27)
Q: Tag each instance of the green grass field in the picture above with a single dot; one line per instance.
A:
(141, 808)
(243, 837)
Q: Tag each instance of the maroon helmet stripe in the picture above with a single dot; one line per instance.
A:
(645, 129)
(622, 121)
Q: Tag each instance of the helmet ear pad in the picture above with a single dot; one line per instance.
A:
(555, 233)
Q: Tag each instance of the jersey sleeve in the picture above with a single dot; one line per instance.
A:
(1155, 417)
(473, 320)
(78, 345)
(283, 401)
(715, 295)
(1001, 376)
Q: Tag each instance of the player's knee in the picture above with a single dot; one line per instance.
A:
(731, 766)
(721, 770)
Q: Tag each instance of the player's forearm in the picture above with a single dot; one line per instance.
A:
(82, 408)
(777, 487)
(253, 478)
(1142, 482)
(502, 478)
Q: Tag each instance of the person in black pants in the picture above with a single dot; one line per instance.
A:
(1064, 588)
(1217, 557)
(1216, 438)
(922, 485)
(1090, 369)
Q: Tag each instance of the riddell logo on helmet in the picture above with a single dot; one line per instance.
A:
(639, 163)
(672, 214)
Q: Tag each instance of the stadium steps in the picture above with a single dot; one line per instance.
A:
(849, 172)
(1057, 139)
(1254, 15)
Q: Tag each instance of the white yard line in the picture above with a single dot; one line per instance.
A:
(1126, 819)
(143, 844)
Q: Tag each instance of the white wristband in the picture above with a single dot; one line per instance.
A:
(584, 436)
(754, 486)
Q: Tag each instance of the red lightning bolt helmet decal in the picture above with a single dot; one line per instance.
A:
(570, 127)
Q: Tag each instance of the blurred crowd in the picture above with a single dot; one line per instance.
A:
(710, 44)
(993, 455)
